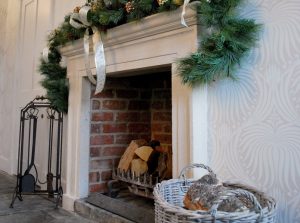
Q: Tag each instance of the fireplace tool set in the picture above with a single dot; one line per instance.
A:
(30, 143)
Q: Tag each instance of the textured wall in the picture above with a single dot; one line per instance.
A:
(8, 36)
(254, 123)
(3, 15)
(62, 8)
(20, 48)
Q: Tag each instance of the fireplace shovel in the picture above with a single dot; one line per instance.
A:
(28, 181)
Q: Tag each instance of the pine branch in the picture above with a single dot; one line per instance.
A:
(142, 8)
(52, 70)
(221, 52)
(57, 93)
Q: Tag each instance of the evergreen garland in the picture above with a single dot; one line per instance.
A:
(218, 55)
(142, 8)
(55, 81)
(221, 52)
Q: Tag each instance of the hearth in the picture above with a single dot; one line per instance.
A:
(127, 205)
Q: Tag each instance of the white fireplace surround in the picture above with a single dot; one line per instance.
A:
(151, 44)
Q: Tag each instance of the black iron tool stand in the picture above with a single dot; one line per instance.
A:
(28, 181)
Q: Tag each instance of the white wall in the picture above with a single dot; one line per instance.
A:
(8, 30)
(24, 26)
(254, 123)
(62, 8)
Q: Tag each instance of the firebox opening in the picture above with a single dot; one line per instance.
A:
(129, 108)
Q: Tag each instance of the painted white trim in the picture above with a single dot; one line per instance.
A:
(199, 126)
(78, 140)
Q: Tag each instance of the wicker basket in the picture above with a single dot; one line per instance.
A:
(169, 206)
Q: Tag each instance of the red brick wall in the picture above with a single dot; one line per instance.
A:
(128, 108)
(161, 115)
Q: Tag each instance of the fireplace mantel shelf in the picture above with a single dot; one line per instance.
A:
(151, 44)
(146, 43)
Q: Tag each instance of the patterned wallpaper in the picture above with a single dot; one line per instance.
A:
(254, 132)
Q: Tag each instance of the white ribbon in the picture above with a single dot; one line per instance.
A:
(186, 2)
(99, 60)
(63, 62)
(86, 47)
(183, 12)
(45, 54)
(78, 21)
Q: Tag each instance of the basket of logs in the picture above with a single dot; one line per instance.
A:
(207, 200)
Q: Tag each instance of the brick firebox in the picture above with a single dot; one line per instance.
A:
(128, 108)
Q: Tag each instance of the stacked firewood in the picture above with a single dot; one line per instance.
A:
(150, 158)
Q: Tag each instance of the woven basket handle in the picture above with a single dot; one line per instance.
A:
(182, 174)
(237, 193)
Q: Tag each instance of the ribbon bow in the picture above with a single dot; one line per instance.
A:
(79, 20)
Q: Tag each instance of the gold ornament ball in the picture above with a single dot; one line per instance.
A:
(161, 2)
(77, 9)
(94, 8)
(129, 7)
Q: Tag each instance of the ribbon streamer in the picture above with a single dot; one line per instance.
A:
(99, 60)
(63, 62)
(86, 47)
(186, 2)
(183, 12)
(46, 54)
(78, 21)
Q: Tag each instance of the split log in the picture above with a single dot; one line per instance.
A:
(139, 166)
(144, 152)
(129, 153)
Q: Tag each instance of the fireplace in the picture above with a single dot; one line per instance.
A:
(147, 47)
(129, 108)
